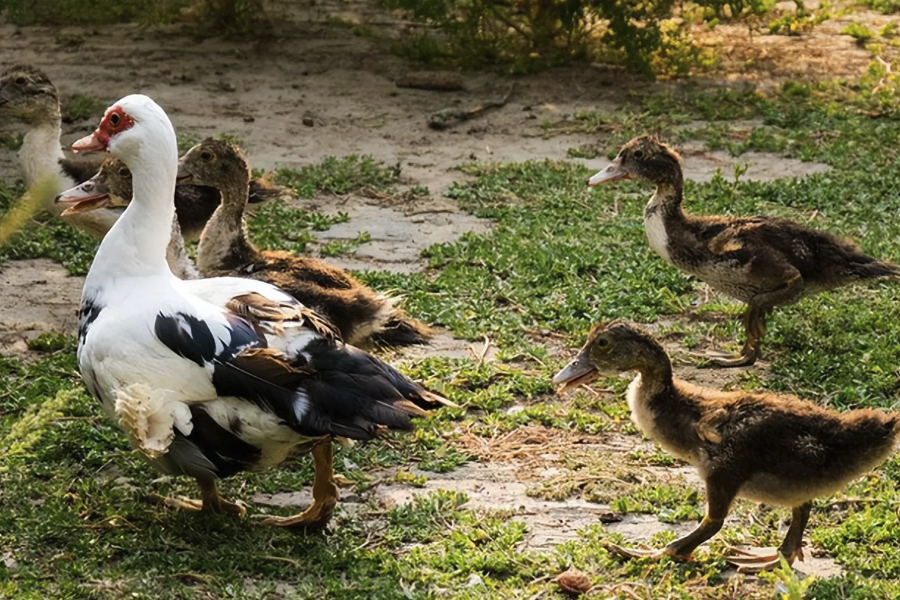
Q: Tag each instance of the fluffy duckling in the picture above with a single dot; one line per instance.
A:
(360, 314)
(28, 97)
(774, 449)
(762, 261)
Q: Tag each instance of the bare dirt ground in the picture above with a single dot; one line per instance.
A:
(344, 87)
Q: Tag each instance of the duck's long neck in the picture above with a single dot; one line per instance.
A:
(223, 243)
(135, 247)
(40, 155)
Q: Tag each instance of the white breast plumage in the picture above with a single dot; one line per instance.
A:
(655, 226)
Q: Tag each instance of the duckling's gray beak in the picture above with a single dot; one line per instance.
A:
(578, 372)
(613, 172)
(90, 195)
(184, 177)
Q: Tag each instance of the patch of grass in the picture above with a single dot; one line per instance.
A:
(46, 237)
(276, 226)
(339, 176)
(342, 247)
(858, 32)
(883, 6)
(78, 107)
(11, 140)
(49, 342)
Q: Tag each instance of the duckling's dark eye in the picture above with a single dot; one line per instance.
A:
(123, 171)
(114, 119)
(638, 154)
(20, 81)
(207, 156)
(602, 343)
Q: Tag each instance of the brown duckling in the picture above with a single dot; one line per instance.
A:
(770, 448)
(359, 313)
(762, 261)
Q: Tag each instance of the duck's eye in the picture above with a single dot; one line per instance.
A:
(602, 343)
(20, 80)
(115, 119)
(123, 172)
(207, 156)
(638, 154)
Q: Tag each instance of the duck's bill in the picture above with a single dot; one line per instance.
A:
(576, 373)
(614, 172)
(83, 198)
(96, 142)
(183, 177)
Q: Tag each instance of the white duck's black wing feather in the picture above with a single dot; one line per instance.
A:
(320, 387)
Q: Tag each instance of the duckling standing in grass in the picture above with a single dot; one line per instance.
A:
(774, 449)
(762, 261)
(360, 314)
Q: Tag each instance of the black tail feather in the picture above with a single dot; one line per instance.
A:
(874, 269)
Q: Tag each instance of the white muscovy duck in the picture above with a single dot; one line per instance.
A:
(211, 377)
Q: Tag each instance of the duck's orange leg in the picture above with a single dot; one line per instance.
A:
(325, 495)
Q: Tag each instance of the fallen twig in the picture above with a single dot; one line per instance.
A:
(448, 117)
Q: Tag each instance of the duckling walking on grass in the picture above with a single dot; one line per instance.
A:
(762, 261)
(774, 449)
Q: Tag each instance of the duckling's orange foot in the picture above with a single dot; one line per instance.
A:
(180, 503)
(760, 559)
(224, 507)
(313, 520)
(642, 552)
(217, 505)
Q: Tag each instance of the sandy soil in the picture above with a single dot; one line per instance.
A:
(343, 87)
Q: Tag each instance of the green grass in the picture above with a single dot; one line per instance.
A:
(73, 498)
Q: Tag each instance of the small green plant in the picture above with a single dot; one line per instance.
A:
(802, 20)
(411, 479)
(228, 17)
(11, 140)
(49, 342)
(341, 247)
(884, 6)
(339, 176)
(276, 226)
(187, 140)
(859, 32)
(79, 107)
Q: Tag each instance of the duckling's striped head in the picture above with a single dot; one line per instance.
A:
(644, 157)
(28, 95)
(611, 347)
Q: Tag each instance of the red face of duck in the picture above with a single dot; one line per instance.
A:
(114, 122)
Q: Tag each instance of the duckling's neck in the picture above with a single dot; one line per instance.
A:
(223, 243)
(659, 410)
(662, 215)
(40, 155)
